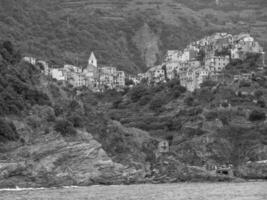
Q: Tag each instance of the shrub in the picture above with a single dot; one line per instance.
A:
(193, 132)
(145, 100)
(211, 115)
(225, 104)
(176, 94)
(55, 91)
(37, 97)
(8, 131)
(76, 120)
(205, 95)
(117, 103)
(137, 92)
(65, 128)
(58, 110)
(244, 84)
(74, 106)
(189, 101)
(44, 113)
(157, 103)
(172, 83)
(258, 94)
(173, 124)
(256, 115)
(34, 121)
(129, 82)
(208, 83)
(261, 103)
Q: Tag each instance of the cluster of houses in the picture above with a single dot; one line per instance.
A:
(199, 61)
(95, 77)
(203, 59)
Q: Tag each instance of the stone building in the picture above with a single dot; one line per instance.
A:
(163, 146)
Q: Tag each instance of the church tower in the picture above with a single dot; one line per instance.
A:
(92, 60)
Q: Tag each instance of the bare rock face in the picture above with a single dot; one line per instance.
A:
(148, 44)
(58, 161)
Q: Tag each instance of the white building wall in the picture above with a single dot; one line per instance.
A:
(57, 74)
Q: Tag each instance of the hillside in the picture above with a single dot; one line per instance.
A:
(216, 124)
(132, 35)
(51, 135)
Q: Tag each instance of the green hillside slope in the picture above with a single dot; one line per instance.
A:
(67, 30)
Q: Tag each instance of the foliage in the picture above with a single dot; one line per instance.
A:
(256, 115)
(137, 92)
(211, 115)
(208, 83)
(8, 53)
(17, 82)
(65, 128)
(8, 131)
(189, 101)
(117, 103)
(157, 103)
(76, 120)
(258, 94)
(201, 55)
(145, 100)
(244, 84)
(244, 142)
(128, 82)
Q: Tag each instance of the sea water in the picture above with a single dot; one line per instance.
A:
(182, 191)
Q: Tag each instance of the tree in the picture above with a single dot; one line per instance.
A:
(65, 128)
(256, 115)
(7, 131)
(128, 82)
(164, 68)
(201, 55)
(76, 120)
(208, 83)
(258, 94)
(137, 92)
(189, 101)
(157, 103)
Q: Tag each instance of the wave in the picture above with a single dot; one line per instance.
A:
(30, 189)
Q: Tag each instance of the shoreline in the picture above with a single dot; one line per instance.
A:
(17, 189)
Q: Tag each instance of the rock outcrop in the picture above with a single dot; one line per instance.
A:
(58, 161)
(148, 44)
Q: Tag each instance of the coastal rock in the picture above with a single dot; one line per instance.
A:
(62, 161)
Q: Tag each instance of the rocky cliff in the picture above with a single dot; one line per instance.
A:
(52, 160)
(148, 44)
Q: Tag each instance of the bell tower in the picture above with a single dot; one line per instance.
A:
(92, 60)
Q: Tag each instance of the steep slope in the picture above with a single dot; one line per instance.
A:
(216, 125)
(51, 137)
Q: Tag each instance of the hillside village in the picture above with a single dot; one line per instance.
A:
(93, 76)
(199, 61)
(203, 59)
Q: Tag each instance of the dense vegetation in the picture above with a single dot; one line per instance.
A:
(67, 31)
(17, 81)
(216, 124)
(230, 114)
